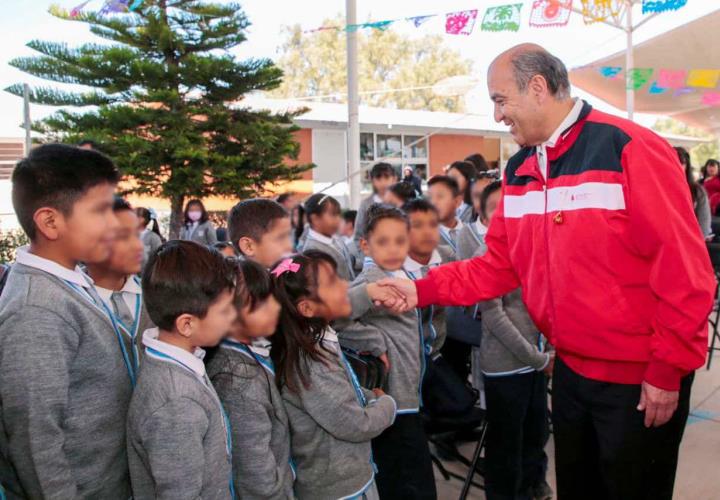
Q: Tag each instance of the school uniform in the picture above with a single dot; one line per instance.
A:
(203, 233)
(151, 242)
(244, 378)
(332, 421)
(464, 213)
(449, 236)
(361, 217)
(402, 454)
(65, 387)
(130, 314)
(178, 437)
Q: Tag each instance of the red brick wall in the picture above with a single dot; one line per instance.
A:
(304, 137)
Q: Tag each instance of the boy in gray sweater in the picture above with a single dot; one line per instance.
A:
(65, 384)
(244, 377)
(402, 454)
(178, 436)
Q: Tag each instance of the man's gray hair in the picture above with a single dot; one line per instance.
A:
(526, 64)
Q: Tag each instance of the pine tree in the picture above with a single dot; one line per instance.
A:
(164, 101)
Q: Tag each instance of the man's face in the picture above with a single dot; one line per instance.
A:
(518, 110)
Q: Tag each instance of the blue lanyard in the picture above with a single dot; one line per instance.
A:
(132, 332)
(448, 239)
(104, 308)
(228, 434)
(242, 348)
(427, 346)
(353, 379)
(475, 233)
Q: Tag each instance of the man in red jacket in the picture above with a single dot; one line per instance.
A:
(596, 224)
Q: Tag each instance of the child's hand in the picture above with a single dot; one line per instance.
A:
(383, 357)
(551, 364)
(378, 392)
(387, 297)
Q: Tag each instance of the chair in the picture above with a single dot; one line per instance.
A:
(714, 319)
(473, 423)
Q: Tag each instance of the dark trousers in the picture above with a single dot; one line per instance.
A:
(402, 456)
(603, 449)
(517, 433)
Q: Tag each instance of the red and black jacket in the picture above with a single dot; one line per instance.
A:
(607, 250)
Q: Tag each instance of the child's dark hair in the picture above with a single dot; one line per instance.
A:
(120, 204)
(146, 215)
(255, 287)
(205, 216)
(467, 169)
(87, 142)
(283, 197)
(382, 169)
(184, 277)
(486, 192)
(419, 205)
(447, 181)
(317, 204)
(253, 218)
(296, 341)
(222, 245)
(349, 216)
(404, 190)
(380, 211)
(479, 162)
(56, 176)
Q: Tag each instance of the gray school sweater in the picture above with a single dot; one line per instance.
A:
(259, 423)
(510, 338)
(331, 430)
(203, 234)
(176, 438)
(64, 393)
(345, 263)
(151, 242)
(361, 217)
(380, 331)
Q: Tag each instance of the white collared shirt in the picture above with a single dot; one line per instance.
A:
(414, 267)
(130, 292)
(377, 198)
(260, 350)
(481, 228)
(457, 227)
(193, 361)
(76, 276)
(312, 234)
(571, 118)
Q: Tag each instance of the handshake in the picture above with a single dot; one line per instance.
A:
(395, 294)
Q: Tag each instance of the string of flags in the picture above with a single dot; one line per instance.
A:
(543, 14)
(676, 81)
(108, 7)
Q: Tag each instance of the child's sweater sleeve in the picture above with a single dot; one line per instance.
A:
(332, 403)
(255, 470)
(361, 337)
(172, 437)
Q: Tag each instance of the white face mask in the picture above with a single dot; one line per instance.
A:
(194, 215)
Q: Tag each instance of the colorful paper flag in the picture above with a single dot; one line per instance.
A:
(136, 4)
(683, 91)
(78, 9)
(610, 72)
(710, 98)
(114, 6)
(661, 5)
(419, 20)
(502, 18)
(460, 23)
(705, 78)
(672, 79)
(595, 11)
(378, 25)
(546, 13)
(656, 89)
(637, 77)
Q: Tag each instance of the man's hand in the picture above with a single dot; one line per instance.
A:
(387, 297)
(383, 357)
(658, 404)
(405, 287)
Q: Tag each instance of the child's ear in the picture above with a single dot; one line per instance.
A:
(185, 325)
(306, 308)
(246, 246)
(49, 222)
(364, 246)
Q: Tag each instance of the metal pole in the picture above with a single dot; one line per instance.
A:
(629, 63)
(26, 115)
(353, 131)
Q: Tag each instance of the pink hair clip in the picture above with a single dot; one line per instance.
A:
(286, 265)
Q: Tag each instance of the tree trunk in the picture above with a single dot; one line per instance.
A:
(176, 216)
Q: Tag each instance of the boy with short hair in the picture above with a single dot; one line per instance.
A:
(117, 283)
(382, 176)
(260, 230)
(178, 437)
(65, 386)
(445, 195)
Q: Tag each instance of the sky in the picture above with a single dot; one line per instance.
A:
(576, 44)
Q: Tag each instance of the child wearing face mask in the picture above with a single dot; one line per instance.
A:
(197, 226)
(402, 454)
(331, 416)
(244, 377)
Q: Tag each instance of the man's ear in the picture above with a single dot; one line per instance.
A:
(247, 246)
(306, 308)
(364, 246)
(185, 325)
(538, 87)
(49, 222)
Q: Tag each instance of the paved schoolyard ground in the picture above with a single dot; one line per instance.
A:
(698, 476)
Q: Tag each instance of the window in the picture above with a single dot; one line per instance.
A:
(399, 150)
(367, 147)
(415, 147)
(389, 147)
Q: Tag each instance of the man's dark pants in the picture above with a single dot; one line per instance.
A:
(603, 449)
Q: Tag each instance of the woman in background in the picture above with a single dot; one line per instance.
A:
(150, 232)
(197, 226)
